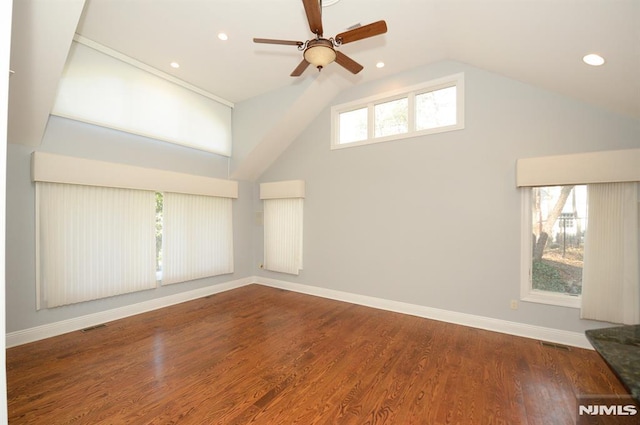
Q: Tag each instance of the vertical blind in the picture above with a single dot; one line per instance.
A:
(96, 227)
(283, 212)
(283, 235)
(610, 281)
(94, 242)
(197, 237)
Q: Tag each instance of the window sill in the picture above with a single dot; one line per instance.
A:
(544, 297)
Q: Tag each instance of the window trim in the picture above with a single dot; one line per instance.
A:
(527, 293)
(455, 80)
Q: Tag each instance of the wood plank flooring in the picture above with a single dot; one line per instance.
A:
(259, 355)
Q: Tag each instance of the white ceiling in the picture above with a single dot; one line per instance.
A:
(540, 42)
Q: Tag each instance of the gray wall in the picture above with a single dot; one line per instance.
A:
(431, 220)
(435, 220)
(73, 138)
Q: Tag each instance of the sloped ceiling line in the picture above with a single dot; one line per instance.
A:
(42, 32)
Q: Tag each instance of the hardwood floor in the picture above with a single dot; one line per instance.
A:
(258, 355)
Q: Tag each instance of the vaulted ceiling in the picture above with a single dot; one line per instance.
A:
(540, 42)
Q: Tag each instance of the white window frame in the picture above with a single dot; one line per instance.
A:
(456, 80)
(527, 293)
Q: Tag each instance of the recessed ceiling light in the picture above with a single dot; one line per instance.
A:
(175, 65)
(593, 59)
(380, 65)
(327, 3)
(222, 36)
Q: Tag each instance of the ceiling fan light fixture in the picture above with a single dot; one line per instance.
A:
(319, 53)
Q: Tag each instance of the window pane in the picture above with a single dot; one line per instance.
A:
(436, 109)
(391, 117)
(353, 126)
(559, 225)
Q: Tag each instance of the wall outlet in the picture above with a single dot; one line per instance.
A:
(514, 304)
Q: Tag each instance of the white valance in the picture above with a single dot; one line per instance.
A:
(282, 190)
(580, 168)
(54, 168)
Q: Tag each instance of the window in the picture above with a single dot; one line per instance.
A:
(554, 229)
(353, 125)
(283, 235)
(104, 229)
(197, 237)
(283, 225)
(612, 205)
(434, 107)
(105, 88)
(96, 242)
(391, 117)
(93, 242)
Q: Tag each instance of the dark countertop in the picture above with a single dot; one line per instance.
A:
(620, 348)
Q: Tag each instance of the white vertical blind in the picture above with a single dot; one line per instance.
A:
(197, 237)
(283, 224)
(93, 242)
(610, 281)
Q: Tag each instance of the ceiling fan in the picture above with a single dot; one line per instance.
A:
(321, 51)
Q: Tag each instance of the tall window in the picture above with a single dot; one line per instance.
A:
(283, 225)
(283, 235)
(559, 224)
(579, 252)
(433, 107)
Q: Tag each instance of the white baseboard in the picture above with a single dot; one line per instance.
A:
(574, 339)
(58, 328)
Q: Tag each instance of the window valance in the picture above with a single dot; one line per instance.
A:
(55, 168)
(282, 189)
(580, 168)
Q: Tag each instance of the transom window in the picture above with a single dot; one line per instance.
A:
(432, 107)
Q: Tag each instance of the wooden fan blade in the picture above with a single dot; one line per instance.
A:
(314, 15)
(359, 33)
(348, 63)
(271, 41)
(300, 68)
